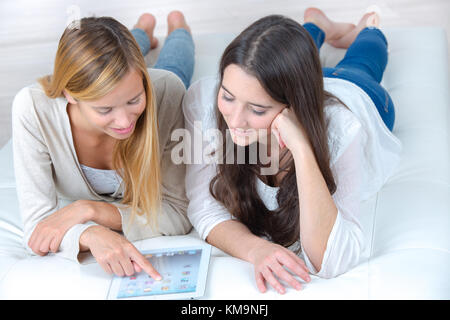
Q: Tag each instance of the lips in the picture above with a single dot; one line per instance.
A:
(125, 130)
(241, 132)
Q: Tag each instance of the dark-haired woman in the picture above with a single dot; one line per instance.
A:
(333, 148)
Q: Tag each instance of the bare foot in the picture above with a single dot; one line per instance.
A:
(370, 19)
(147, 23)
(333, 30)
(176, 20)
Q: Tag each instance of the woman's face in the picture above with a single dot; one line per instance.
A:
(116, 113)
(246, 107)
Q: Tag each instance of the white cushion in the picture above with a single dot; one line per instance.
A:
(406, 223)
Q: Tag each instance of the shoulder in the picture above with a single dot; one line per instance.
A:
(200, 99)
(168, 92)
(164, 77)
(203, 90)
(31, 104)
(25, 99)
(167, 87)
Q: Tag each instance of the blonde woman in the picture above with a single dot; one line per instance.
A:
(92, 144)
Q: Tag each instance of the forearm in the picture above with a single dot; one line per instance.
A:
(317, 209)
(100, 212)
(235, 238)
(105, 214)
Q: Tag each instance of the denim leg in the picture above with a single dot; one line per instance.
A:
(374, 90)
(142, 40)
(368, 53)
(316, 33)
(177, 55)
(364, 65)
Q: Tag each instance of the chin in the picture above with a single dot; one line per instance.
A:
(120, 136)
(259, 135)
(243, 141)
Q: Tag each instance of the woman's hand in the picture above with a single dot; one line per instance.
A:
(49, 232)
(269, 261)
(288, 131)
(114, 253)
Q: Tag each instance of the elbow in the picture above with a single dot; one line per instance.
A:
(338, 262)
(347, 261)
(343, 253)
(186, 226)
(180, 222)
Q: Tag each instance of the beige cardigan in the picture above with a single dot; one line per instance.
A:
(49, 176)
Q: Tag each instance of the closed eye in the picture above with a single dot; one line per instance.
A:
(134, 101)
(258, 113)
(105, 110)
(229, 99)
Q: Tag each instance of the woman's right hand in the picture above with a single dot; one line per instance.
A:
(269, 261)
(114, 253)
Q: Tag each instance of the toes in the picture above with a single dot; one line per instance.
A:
(310, 13)
(373, 20)
(363, 22)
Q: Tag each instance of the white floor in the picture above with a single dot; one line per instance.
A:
(30, 30)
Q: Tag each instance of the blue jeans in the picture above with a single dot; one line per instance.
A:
(364, 65)
(176, 55)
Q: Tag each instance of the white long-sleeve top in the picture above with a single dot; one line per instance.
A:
(363, 153)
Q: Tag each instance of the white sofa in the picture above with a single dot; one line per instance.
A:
(407, 223)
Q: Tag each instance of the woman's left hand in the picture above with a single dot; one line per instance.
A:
(49, 232)
(270, 261)
(288, 130)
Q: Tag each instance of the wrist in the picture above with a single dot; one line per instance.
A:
(84, 239)
(87, 236)
(256, 247)
(86, 210)
(302, 152)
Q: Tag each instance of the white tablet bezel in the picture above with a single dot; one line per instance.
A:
(201, 278)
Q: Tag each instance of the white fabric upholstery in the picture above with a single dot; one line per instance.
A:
(406, 224)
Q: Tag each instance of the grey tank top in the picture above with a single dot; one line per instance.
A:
(104, 182)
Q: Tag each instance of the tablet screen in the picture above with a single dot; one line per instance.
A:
(179, 269)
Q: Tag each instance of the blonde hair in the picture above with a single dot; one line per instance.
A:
(90, 61)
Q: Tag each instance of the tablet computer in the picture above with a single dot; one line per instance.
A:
(183, 269)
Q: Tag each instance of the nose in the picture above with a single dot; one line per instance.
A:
(236, 118)
(123, 119)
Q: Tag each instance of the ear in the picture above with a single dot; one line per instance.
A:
(69, 98)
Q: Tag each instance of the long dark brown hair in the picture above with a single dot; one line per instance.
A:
(281, 54)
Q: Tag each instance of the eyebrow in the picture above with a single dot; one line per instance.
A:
(253, 104)
(135, 97)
